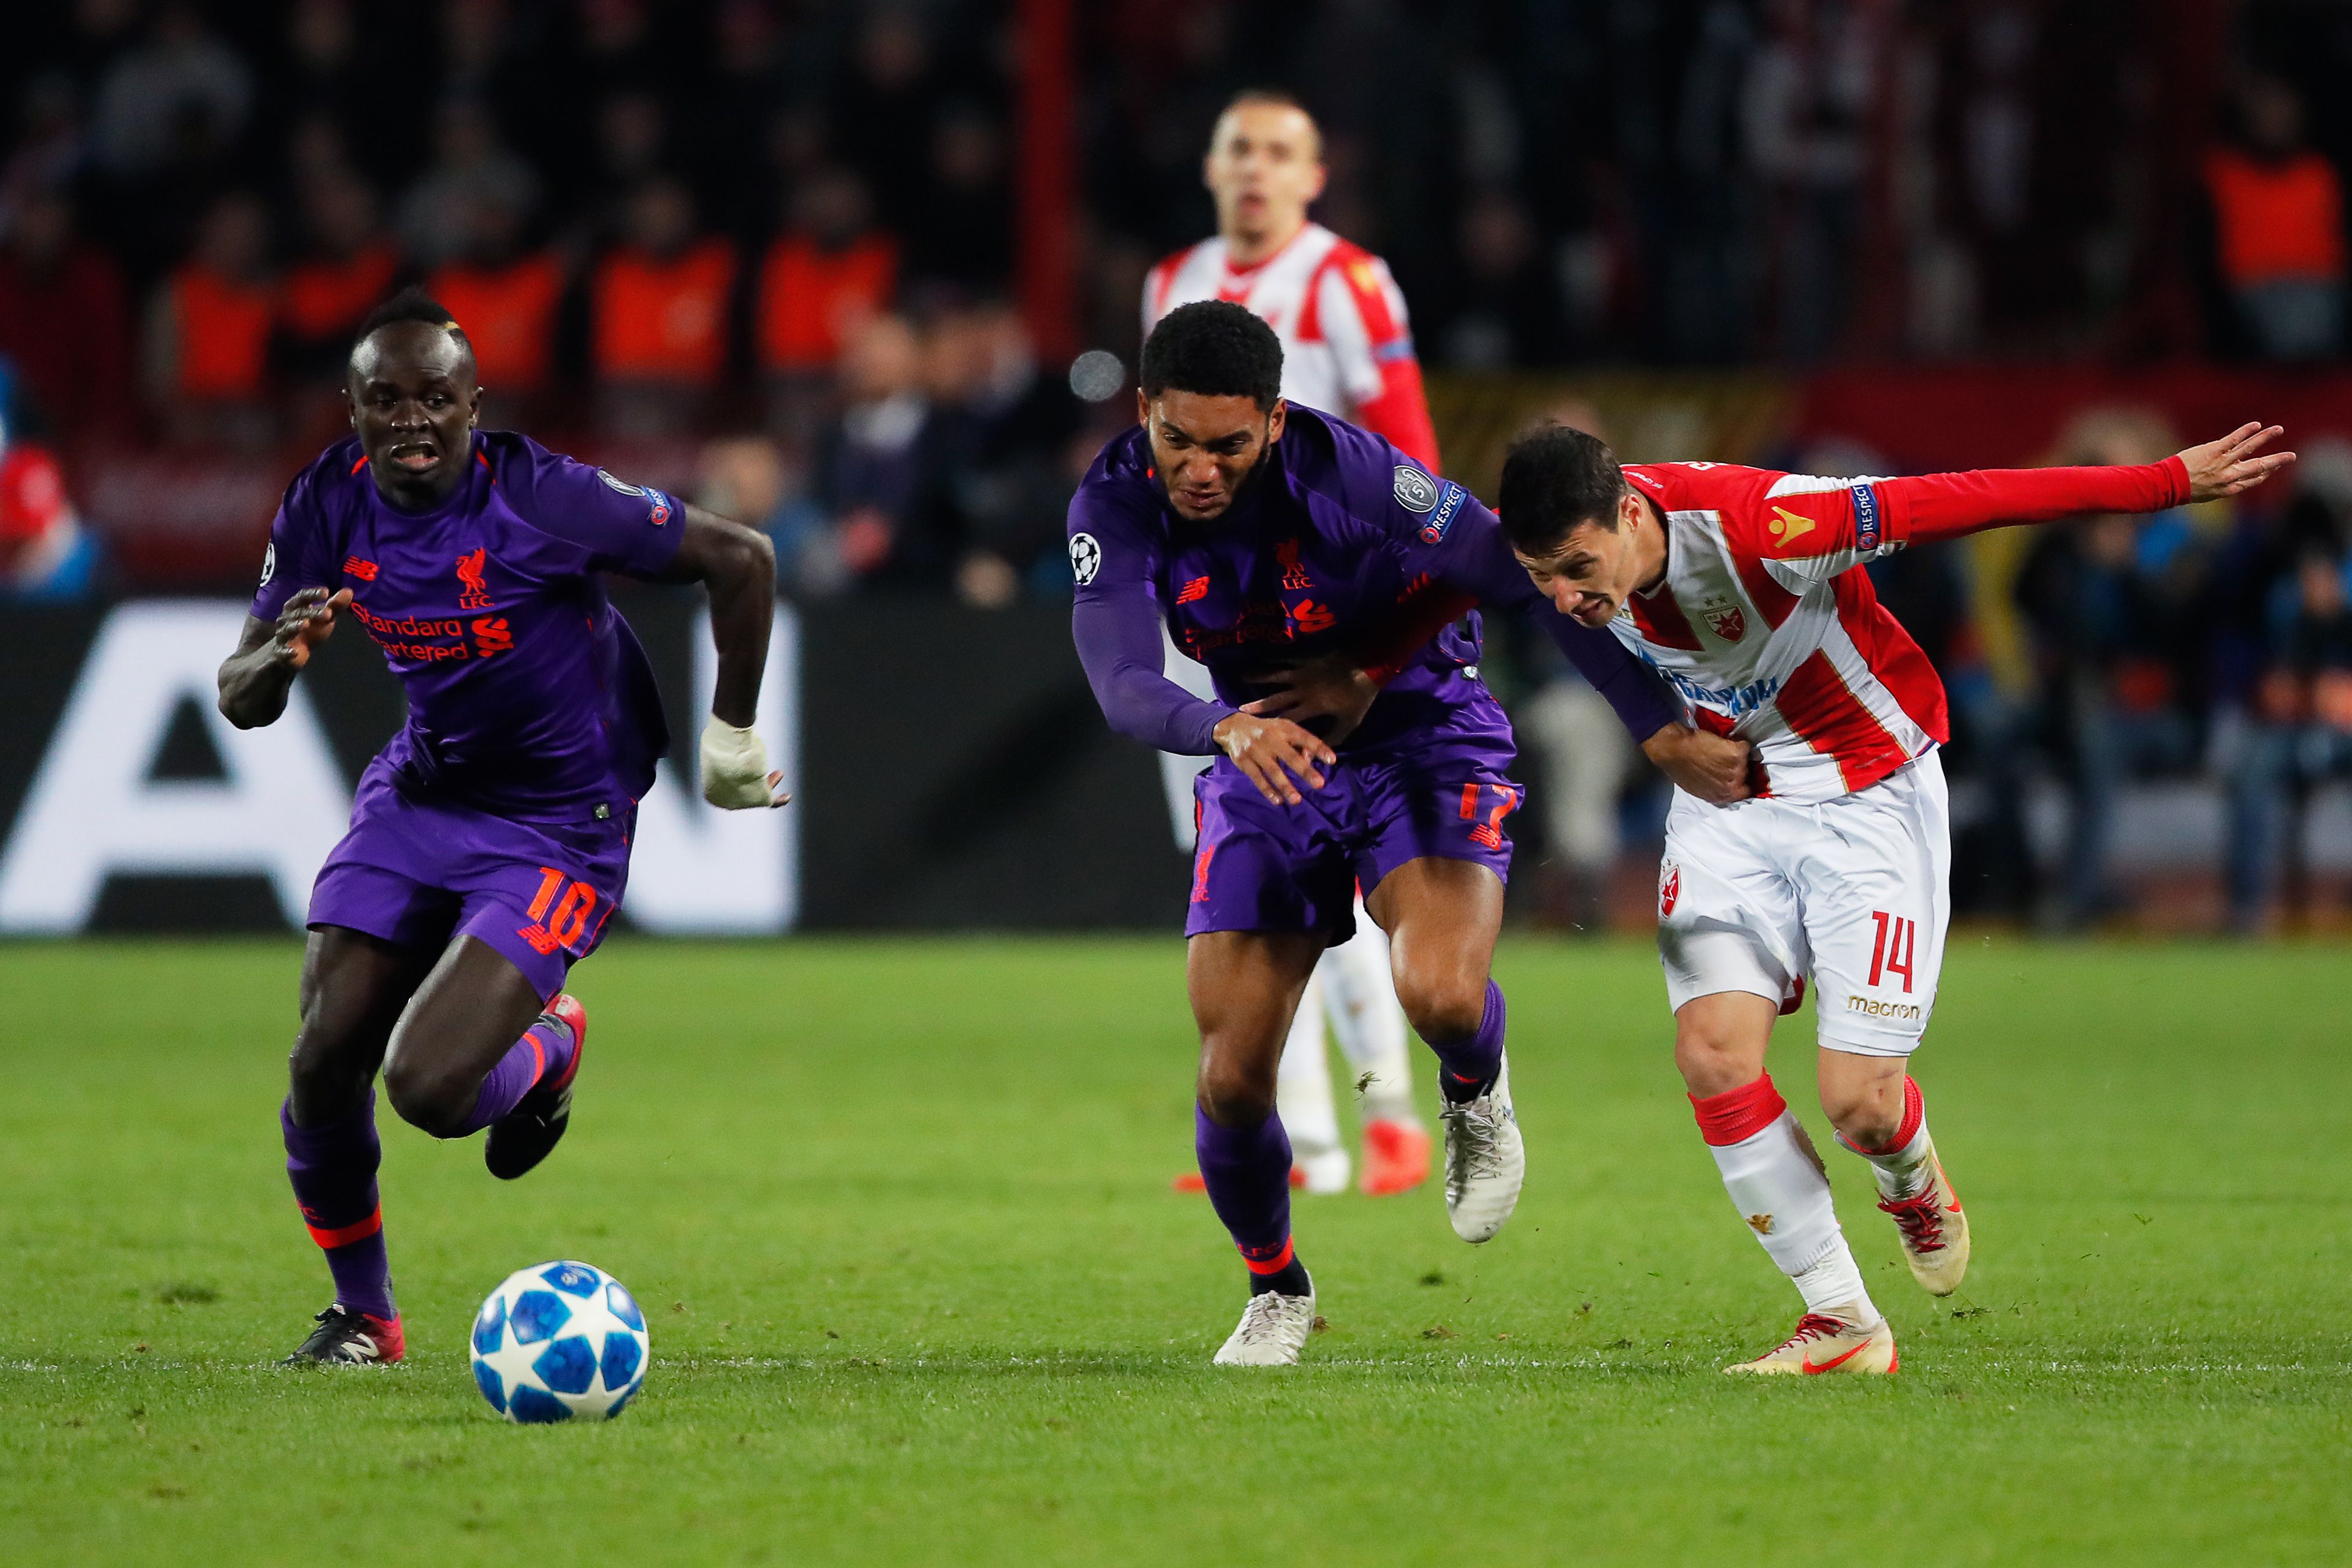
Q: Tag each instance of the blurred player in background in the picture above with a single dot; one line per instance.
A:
(1275, 543)
(489, 842)
(1747, 588)
(1345, 349)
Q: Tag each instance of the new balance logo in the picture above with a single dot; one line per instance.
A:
(1489, 833)
(355, 567)
(1198, 588)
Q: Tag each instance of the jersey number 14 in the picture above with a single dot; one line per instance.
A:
(1897, 946)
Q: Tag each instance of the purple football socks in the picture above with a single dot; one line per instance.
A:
(1247, 1170)
(333, 1168)
(542, 1053)
(1469, 1066)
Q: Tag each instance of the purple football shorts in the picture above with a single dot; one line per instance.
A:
(1261, 867)
(422, 874)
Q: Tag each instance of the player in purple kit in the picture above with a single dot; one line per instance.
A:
(489, 842)
(1285, 549)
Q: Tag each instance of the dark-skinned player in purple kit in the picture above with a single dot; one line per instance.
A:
(490, 840)
(1289, 552)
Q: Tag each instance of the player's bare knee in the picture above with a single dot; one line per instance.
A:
(326, 1072)
(1232, 1094)
(429, 1100)
(1865, 1116)
(1713, 1061)
(1442, 1007)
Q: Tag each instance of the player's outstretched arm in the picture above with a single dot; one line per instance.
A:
(1924, 506)
(736, 566)
(256, 679)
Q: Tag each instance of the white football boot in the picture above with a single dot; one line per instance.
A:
(1934, 1230)
(1272, 1328)
(1320, 1172)
(1827, 1342)
(1485, 1161)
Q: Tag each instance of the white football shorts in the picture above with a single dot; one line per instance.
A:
(1855, 894)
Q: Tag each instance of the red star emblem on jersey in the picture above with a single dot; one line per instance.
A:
(1727, 622)
(1670, 888)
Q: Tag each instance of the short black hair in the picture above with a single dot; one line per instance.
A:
(1555, 479)
(411, 304)
(1214, 348)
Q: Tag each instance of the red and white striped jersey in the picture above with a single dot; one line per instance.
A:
(1347, 348)
(1771, 630)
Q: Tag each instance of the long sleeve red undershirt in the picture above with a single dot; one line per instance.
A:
(1926, 507)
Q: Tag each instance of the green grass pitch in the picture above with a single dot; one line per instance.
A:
(920, 1292)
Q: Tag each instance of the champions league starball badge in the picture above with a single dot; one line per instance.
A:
(1416, 492)
(1086, 558)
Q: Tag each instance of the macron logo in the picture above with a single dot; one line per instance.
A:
(1787, 526)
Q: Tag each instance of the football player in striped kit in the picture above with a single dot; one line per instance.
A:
(1746, 588)
(1345, 349)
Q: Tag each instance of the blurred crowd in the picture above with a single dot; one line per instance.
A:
(658, 215)
(781, 236)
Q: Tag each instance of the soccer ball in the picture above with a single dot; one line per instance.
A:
(560, 1340)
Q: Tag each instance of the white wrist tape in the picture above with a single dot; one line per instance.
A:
(734, 767)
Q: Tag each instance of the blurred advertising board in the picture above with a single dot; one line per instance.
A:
(948, 768)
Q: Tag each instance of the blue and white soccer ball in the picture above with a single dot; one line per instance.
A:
(560, 1340)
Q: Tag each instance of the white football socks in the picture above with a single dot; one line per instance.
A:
(1302, 1087)
(1778, 1186)
(1360, 995)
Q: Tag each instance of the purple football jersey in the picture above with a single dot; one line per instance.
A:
(1332, 531)
(528, 695)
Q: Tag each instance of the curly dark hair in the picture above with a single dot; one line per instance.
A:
(1215, 348)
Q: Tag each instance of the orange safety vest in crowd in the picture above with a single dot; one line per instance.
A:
(508, 314)
(326, 299)
(224, 333)
(809, 296)
(664, 320)
(2275, 221)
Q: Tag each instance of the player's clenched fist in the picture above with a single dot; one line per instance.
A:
(1270, 751)
(735, 771)
(1714, 768)
(308, 620)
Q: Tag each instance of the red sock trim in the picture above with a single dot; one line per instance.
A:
(1914, 1116)
(344, 1235)
(1274, 1265)
(1739, 1114)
